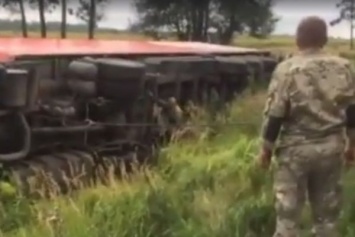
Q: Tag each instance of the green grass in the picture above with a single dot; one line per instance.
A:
(201, 187)
(204, 187)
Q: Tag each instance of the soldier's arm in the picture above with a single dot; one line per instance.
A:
(350, 124)
(155, 99)
(349, 97)
(276, 107)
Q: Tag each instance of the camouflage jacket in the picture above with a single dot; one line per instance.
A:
(168, 114)
(311, 90)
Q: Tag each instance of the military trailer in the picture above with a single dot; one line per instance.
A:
(70, 110)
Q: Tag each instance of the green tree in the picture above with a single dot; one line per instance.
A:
(63, 27)
(91, 12)
(263, 22)
(188, 19)
(43, 6)
(193, 19)
(17, 7)
(346, 13)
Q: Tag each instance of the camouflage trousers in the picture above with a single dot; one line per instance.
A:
(313, 169)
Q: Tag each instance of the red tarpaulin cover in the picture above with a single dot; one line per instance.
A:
(14, 47)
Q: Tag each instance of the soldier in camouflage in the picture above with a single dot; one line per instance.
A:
(169, 115)
(310, 107)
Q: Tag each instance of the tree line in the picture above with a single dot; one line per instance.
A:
(346, 13)
(187, 19)
(195, 19)
(86, 11)
(14, 25)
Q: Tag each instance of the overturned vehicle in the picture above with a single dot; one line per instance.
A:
(71, 111)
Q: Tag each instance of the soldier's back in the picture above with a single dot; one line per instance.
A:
(318, 92)
(311, 141)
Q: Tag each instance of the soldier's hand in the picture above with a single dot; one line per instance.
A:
(264, 158)
(349, 156)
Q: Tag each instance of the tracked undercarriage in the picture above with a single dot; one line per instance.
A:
(68, 119)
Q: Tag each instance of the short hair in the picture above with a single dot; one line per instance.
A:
(312, 33)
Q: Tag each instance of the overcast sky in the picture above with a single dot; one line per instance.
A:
(119, 15)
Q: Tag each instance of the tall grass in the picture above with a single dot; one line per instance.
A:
(201, 187)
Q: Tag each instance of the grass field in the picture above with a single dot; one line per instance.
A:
(201, 188)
